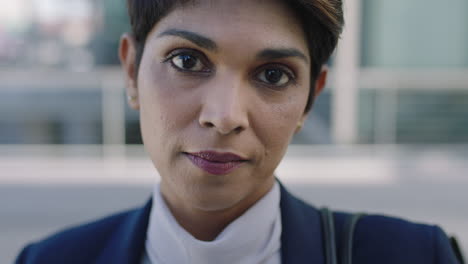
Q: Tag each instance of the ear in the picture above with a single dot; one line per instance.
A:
(127, 55)
(321, 81)
(318, 88)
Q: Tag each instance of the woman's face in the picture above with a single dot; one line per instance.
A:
(222, 87)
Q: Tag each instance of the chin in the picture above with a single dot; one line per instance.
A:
(215, 195)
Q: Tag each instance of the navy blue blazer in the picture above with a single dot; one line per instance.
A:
(120, 239)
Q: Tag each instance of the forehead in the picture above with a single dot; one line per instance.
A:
(263, 22)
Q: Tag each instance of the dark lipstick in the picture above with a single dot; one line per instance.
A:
(215, 162)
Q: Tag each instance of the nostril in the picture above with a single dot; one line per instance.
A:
(208, 124)
(238, 129)
(223, 124)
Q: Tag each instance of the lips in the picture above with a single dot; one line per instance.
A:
(215, 162)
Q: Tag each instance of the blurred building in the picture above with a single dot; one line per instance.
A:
(60, 82)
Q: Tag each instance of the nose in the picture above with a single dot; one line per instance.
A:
(225, 108)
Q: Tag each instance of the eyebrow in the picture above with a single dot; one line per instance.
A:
(206, 43)
(196, 38)
(272, 54)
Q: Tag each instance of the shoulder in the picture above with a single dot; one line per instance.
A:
(386, 239)
(80, 244)
(376, 238)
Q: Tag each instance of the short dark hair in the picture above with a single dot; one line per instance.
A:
(322, 21)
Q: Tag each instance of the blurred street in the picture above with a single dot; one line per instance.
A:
(389, 133)
(421, 184)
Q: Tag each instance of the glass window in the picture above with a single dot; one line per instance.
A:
(415, 33)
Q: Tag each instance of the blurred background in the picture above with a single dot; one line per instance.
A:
(389, 134)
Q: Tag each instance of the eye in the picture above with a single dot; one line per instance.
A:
(187, 61)
(275, 76)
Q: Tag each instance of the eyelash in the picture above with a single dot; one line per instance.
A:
(292, 80)
(191, 52)
(202, 58)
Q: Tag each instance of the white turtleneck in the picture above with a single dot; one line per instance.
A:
(253, 238)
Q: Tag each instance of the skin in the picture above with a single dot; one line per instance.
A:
(223, 103)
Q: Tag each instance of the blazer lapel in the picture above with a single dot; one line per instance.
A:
(301, 238)
(128, 243)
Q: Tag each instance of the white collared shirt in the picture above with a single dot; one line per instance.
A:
(253, 238)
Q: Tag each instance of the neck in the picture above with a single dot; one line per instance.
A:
(206, 225)
(202, 225)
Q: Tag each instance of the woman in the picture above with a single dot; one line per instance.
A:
(221, 88)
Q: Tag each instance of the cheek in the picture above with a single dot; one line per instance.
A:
(165, 106)
(290, 112)
(279, 122)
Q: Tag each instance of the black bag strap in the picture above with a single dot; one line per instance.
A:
(347, 237)
(457, 250)
(328, 224)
